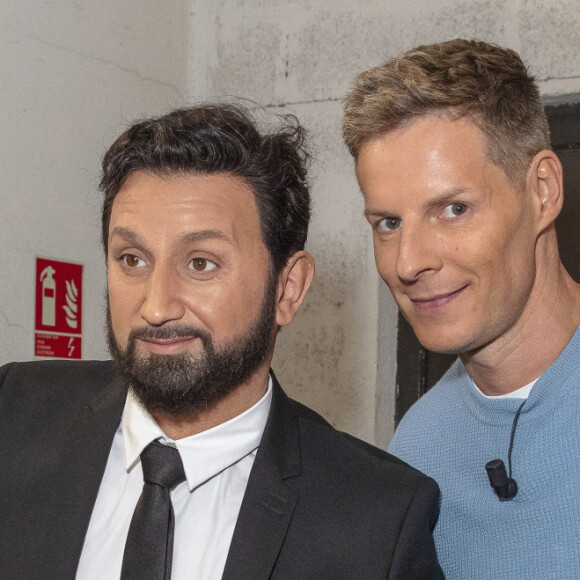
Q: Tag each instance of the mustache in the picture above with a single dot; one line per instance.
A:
(169, 332)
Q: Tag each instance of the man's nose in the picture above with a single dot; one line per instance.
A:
(162, 301)
(418, 252)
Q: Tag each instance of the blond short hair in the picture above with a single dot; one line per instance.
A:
(483, 82)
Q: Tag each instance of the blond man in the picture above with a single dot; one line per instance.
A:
(452, 152)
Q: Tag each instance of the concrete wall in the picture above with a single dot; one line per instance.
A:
(300, 56)
(72, 73)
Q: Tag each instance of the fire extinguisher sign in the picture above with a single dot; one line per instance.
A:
(58, 321)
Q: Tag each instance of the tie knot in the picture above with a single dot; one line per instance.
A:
(162, 465)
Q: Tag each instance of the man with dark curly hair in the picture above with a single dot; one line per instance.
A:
(185, 455)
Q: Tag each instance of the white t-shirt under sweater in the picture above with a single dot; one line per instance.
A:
(521, 393)
(217, 465)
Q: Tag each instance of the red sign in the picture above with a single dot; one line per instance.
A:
(58, 322)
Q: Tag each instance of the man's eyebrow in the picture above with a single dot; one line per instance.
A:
(203, 235)
(376, 212)
(128, 235)
(447, 197)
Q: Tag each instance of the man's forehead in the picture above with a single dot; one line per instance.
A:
(187, 208)
(430, 140)
(145, 189)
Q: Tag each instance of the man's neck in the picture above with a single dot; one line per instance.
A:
(528, 349)
(235, 403)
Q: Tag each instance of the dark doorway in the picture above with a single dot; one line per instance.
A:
(419, 369)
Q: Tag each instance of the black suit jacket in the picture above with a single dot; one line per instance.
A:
(319, 504)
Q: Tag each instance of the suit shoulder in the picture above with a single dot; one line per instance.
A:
(58, 368)
(47, 378)
(306, 413)
(4, 370)
(354, 457)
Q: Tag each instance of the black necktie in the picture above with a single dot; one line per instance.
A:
(149, 547)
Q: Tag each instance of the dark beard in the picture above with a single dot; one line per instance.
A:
(183, 384)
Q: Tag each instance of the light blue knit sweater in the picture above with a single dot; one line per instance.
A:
(453, 431)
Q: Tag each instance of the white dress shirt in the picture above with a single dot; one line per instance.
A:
(217, 465)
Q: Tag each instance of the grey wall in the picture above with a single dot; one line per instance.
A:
(73, 73)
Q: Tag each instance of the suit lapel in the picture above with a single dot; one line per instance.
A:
(269, 500)
(83, 464)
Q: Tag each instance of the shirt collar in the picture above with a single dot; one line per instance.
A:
(205, 454)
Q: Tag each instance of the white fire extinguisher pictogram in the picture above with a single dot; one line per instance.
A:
(48, 296)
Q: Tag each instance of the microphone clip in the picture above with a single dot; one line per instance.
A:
(505, 487)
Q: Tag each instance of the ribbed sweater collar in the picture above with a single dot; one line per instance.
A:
(556, 382)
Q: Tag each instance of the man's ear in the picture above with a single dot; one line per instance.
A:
(546, 183)
(293, 283)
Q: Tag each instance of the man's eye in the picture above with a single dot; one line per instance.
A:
(132, 261)
(389, 224)
(454, 210)
(202, 265)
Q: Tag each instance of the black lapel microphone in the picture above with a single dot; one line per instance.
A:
(504, 486)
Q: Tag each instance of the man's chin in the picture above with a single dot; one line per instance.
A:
(448, 343)
(183, 384)
(174, 384)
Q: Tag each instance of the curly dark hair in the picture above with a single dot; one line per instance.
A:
(222, 138)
